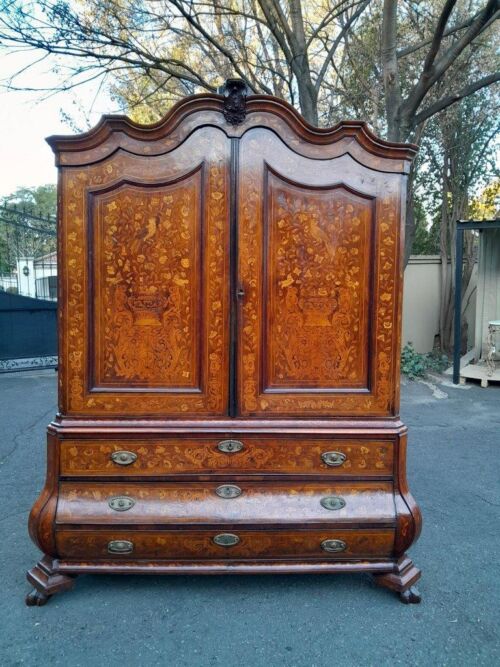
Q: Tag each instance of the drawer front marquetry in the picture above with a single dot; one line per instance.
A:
(212, 544)
(249, 503)
(288, 456)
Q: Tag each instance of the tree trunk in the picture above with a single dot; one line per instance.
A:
(454, 207)
(390, 69)
(308, 96)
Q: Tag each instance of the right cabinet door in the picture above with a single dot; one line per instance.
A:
(319, 246)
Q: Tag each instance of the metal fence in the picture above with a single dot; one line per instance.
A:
(28, 260)
(28, 289)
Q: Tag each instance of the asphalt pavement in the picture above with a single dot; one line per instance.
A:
(297, 621)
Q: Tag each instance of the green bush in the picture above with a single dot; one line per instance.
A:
(415, 365)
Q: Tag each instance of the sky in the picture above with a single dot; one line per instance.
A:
(26, 119)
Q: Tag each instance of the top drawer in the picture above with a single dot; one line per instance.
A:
(241, 454)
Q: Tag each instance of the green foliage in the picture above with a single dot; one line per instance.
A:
(20, 232)
(426, 241)
(40, 201)
(415, 365)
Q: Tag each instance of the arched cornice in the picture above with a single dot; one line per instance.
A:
(113, 132)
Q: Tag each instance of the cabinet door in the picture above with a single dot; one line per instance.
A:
(319, 268)
(145, 248)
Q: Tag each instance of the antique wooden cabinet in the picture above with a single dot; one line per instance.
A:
(229, 309)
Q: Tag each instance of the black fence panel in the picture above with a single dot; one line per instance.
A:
(28, 288)
(28, 330)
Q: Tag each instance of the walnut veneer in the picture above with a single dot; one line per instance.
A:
(229, 332)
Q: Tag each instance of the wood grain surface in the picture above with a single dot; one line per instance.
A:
(190, 455)
(198, 503)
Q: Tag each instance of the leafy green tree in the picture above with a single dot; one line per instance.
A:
(27, 224)
(41, 201)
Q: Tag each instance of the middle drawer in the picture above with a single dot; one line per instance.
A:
(327, 456)
(212, 503)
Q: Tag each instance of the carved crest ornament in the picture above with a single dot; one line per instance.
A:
(235, 92)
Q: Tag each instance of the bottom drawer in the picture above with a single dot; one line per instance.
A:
(207, 544)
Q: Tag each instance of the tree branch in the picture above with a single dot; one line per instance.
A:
(433, 71)
(447, 101)
(345, 28)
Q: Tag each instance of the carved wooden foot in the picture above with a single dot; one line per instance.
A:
(36, 598)
(46, 581)
(402, 581)
(410, 596)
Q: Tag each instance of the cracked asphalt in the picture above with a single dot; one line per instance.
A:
(302, 621)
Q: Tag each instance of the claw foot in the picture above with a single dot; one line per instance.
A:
(46, 581)
(36, 598)
(410, 596)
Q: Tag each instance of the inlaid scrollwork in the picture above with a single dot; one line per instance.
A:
(148, 338)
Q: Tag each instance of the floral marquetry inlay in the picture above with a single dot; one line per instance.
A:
(146, 271)
(146, 291)
(319, 265)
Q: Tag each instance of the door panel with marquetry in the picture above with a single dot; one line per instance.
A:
(315, 237)
(147, 267)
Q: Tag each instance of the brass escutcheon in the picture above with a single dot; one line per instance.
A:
(228, 491)
(332, 502)
(226, 540)
(121, 503)
(123, 458)
(120, 547)
(333, 459)
(333, 546)
(230, 446)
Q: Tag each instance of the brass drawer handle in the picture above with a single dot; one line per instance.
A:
(123, 458)
(228, 491)
(230, 446)
(333, 459)
(332, 502)
(333, 546)
(121, 503)
(226, 540)
(120, 547)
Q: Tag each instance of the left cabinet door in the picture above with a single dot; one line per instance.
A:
(144, 244)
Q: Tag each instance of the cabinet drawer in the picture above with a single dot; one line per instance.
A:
(241, 454)
(206, 544)
(213, 503)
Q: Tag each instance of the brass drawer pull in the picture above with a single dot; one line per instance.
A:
(333, 459)
(332, 502)
(228, 491)
(230, 446)
(121, 503)
(333, 546)
(120, 547)
(226, 540)
(123, 458)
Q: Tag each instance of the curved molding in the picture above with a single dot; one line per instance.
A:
(110, 124)
(345, 128)
(261, 109)
(328, 187)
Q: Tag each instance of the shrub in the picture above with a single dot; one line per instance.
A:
(415, 365)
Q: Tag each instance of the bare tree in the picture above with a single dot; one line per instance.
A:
(153, 51)
(287, 47)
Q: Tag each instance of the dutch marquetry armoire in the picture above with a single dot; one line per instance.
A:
(229, 335)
